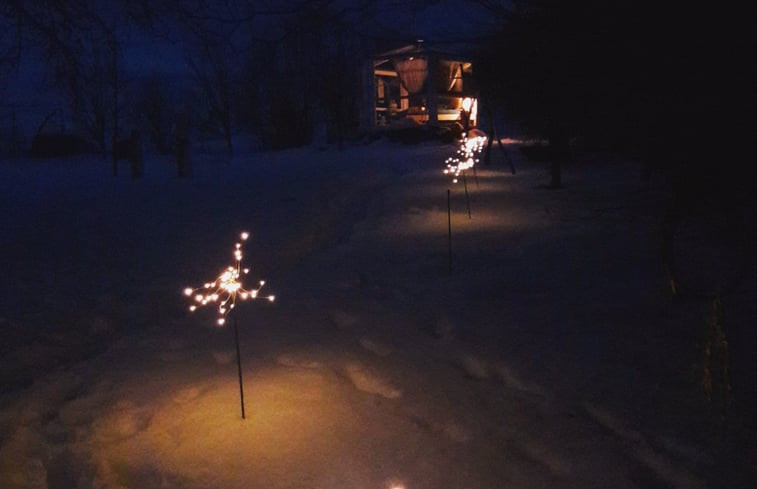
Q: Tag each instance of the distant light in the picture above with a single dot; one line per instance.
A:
(468, 150)
(467, 104)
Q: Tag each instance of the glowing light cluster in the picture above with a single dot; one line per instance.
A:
(465, 157)
(225, 289)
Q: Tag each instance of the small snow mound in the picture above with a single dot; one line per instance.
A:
(124, 422)
(375, 346)
(292, 361)
(371, 382)
(636, 444)
(34, 474)
(186, 395)
(171, 356)
(19, 463)
(456, 432)
(473, 367)
(444, 328)
(612, 423)
(106, 477)
(100, 325)
(513, 381)
(543, 455)
(343, 320)
(223, 357)
(176, 344)
(689, 452)
(476, 133)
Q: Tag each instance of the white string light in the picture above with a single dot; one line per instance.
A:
(466, 156)
(225, 289)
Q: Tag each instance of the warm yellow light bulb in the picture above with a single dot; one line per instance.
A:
(226, 287)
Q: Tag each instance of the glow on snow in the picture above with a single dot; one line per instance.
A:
(225, 289)
(465, 157)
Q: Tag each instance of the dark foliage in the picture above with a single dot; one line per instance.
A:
(58, 145)
(673, 86)
(130, 149)
(670, 84)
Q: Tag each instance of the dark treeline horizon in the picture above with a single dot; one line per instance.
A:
(641, 77)
(286, 72)
(672, 85)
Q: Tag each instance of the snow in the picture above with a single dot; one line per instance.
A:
(524, 367)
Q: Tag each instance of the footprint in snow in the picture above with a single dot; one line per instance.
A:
(343, 320)
(375, 346)
(513, 381)
(186, 395)
(292, 361)
(176, 344)
(125, 421)
(456, 432)
(369, 381)
(223, 357)
(473, 367)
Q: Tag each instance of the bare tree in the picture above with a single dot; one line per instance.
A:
(79, 42)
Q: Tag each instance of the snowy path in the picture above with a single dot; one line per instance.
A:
(375, 368)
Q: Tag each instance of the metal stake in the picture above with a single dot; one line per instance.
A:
(449, 235)
(239, 366)
(467, 200)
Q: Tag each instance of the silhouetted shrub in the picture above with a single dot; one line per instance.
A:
(57, 145)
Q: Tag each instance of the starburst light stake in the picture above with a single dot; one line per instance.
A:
(465, 158)
(224, 291)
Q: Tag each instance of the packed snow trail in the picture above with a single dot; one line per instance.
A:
(375, 368)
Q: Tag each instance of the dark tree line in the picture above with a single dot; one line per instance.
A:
(668, 83)
(673, 85)
(287, 72)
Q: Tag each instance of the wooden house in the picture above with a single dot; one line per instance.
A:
(424, 85)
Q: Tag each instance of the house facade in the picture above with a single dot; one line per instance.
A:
(421, 85)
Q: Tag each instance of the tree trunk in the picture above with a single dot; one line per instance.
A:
(558, 152)
(556, 173)
(492, 135)
(114, 67)
(227, 132)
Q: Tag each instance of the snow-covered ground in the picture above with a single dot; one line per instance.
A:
(535, 363)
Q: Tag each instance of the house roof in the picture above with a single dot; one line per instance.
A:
(420, 48)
